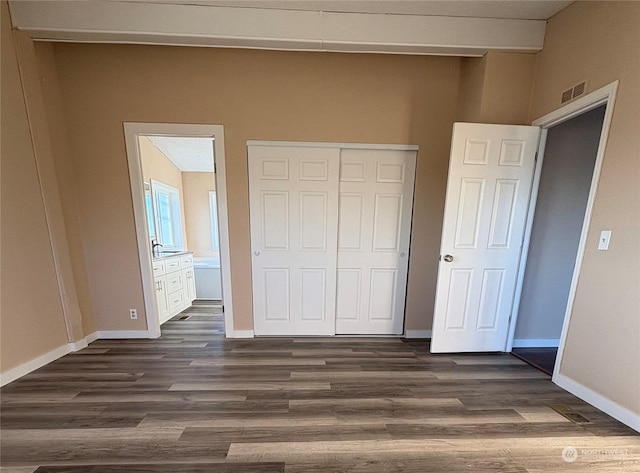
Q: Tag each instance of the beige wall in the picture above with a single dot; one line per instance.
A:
(66, 179)
(32, 321)
(600, 42)
(263, 95)
(496, 88)
(197, 213)
(155, 165)
(471, 87)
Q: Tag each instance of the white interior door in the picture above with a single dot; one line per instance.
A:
(294, 227)
(490, 175)
(376, 201)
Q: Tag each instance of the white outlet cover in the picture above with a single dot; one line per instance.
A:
(605, 237)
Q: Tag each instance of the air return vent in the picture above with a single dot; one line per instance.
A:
(573, 92)
(569, 413)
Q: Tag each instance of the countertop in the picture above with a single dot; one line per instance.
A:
(165, 255)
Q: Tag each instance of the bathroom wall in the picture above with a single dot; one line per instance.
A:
(196, 187)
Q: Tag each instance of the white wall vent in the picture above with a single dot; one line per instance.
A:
(575, 91)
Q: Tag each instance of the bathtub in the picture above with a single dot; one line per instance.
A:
(208, 278)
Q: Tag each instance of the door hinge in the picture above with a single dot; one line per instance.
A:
(536, 158)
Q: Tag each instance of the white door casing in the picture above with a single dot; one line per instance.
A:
(375, 207)
(294, 216)
(488, 190)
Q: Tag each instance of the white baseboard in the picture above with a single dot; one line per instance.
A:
(113, 334)
(242, 334)
(32, 365)
(536, 343)
(79, 345)
(603, 403)
(418, 334)
(92, 337)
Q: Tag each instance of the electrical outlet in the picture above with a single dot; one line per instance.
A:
(133, 313)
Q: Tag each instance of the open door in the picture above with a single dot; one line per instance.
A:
(488, 190)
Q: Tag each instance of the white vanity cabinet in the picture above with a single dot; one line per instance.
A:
(174, 284)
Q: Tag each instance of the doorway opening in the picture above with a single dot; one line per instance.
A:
(576, 151)
(179, 193)
(563, 192)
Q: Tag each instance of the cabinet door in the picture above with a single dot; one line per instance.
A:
(161, 299)
(189, 286)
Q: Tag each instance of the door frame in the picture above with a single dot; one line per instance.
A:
(604, 96)
(132, 130)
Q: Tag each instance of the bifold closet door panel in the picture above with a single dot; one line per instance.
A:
(375, 207)
(293, 195)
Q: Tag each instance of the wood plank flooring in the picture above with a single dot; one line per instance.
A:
(194, 402)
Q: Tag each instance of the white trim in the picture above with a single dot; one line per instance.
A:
(242, 334)
(583, 104)
(117, 334)
(40, 361)
(604, 95)
(131, 131)
(223, 227)
(536, 343)
(417, 334)
(92, 337)
(599, 401)
(322, 144)
(79, 344)
(213, 215)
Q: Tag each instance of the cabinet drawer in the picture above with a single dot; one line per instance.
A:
(176, 301)
(174, 282)
(186, 261)
(159, 268)
(172, 264)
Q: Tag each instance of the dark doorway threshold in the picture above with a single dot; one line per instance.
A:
(541, 358)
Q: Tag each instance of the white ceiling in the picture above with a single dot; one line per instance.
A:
(188, 154)
(513, 9)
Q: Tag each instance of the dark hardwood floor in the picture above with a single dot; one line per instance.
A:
(543, 359)
(192, 401)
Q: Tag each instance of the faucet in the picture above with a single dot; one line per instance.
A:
(154, 247)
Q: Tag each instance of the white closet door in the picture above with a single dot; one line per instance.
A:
(376, 201)
(294, 217)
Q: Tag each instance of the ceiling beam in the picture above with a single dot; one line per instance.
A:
(202, 25)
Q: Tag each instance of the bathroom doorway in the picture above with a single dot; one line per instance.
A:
(181, 219)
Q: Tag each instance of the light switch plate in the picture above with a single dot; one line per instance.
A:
(605, 236)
